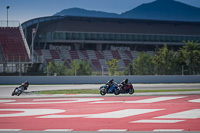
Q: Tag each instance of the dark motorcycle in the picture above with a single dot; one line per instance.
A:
(112, 89)
(18, 91)
(127, 89)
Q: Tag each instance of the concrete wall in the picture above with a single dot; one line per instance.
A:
(98, 79)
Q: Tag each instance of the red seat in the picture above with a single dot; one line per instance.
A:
(74, 54)
(116, 55)
(13, 46)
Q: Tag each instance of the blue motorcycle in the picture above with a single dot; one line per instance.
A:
(112, 89)
(18, 91)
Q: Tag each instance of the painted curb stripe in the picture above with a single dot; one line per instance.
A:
(156, 121)
(10, 129)
(112, 130)
(66, 130)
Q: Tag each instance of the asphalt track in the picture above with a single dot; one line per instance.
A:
(61, 113)
(6, 90)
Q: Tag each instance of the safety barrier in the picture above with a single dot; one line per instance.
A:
(98, 79)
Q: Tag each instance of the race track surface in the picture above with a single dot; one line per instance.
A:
(6, 90)
(133, 113)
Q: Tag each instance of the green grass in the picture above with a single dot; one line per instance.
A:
(76, 91)
(143, 91)
(89, 91)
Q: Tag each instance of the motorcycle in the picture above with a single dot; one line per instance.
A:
(113, 89)
(127, 89)
(18, 91)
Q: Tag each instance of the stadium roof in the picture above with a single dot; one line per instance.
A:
(50, 18)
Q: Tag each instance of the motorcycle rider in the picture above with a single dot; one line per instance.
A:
(109, 84)
(25, 85)
(124, 83)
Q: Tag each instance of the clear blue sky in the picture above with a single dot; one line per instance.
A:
(23, 10)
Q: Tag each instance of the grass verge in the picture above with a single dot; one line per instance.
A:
(89, 91)
(75, 91)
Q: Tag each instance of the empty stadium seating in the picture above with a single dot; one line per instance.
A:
(13, 49)
(97, 59)
(128, 53)
(108, 55)
(54, 54)
(74, 54)
(12, 45)
(84, 54)
(115, 55)
(96, 64)
(99, 55)
(126, 62)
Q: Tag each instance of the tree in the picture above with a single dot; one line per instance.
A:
(189, 57)
(143, 64)
(164, 61)
(113, 66)
(80, 67)
(129, 69)
(58, 68)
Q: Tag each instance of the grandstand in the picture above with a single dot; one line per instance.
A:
(65, 38)
(14, 50)
(96, 40)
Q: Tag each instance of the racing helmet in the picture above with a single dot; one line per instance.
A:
(26, 83)
(111, 80)
(126, 81)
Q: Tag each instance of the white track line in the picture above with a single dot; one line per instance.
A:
(114, 114)
(62, 116)
(4, 101)
(112, 130)
(166, 130)
(156, 121)
(59, 100)
(153, 100)
(64, 130)
(195, 100)
(30, 112)
(149, 100)
(190, 114)
(123, 113)
(10, 129)
(108, 102)
(67, 99)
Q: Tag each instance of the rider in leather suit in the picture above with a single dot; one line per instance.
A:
(109, 84)
(25, 85)
(124, 83)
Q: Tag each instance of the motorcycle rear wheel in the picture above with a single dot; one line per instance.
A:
(13, 93)
(116, 92)
(20, 92)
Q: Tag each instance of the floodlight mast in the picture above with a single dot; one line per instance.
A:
(7, 7)
(32, 47)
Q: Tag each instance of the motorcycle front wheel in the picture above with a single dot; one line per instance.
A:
(131, 91)
(19, 92)
(103, 92)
